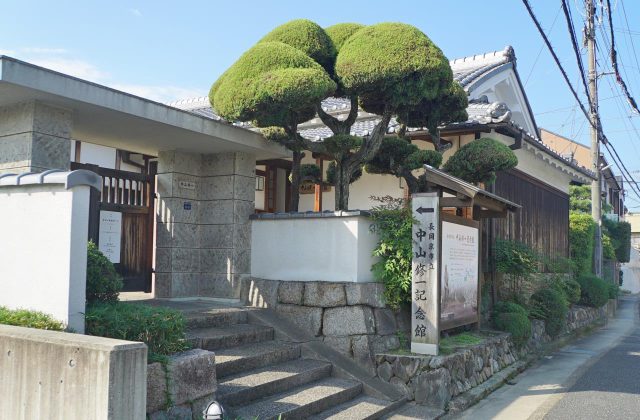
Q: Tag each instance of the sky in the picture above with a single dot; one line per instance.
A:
(167, 50)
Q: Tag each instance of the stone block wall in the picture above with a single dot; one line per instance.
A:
(203, 243)
(183, 387)
(350, 317)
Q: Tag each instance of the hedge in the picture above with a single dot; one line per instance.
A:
(550, 306)
(513, 318)
(103, 282)
(594, 291)
(581, 241)
(29, 319)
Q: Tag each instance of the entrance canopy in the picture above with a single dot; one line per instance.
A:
(465, 194)
(112, 118)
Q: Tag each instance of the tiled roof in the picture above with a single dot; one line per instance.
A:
(469, 69)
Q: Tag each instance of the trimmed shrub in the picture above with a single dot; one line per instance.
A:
(581, 241)
(613, 290)
(571, 289)
(29, 319)
(479, 161)
(517, 324)
(509, 307)
(161, 329)
(594, 291)
(103, 282)
(550, 306)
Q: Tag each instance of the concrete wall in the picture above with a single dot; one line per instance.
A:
(44, 250)
(203, 239)
(53, 375)
(328, 248)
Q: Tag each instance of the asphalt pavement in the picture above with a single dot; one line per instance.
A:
(596, 377)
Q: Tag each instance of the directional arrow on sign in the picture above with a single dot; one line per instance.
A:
(423, 210)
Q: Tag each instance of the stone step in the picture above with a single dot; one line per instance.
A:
(360, 408)
(301, 402)
(215, 338)
(252, 356)
(243, 388)
(218, 317)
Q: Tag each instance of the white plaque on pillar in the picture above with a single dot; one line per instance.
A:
(110, 235)
(425, 300)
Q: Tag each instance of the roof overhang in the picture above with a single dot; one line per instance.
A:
(462, 189)
(109, 117)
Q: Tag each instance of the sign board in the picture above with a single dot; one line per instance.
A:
(110, 235)
(459, 275)
(425, 314)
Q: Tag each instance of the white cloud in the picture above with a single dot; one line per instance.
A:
(162, 94)
(71, 66)
(135, 12)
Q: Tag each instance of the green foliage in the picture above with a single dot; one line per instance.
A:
(518, 262)
(275, 134)
(29, 319)
(550, 306)
(608, 252)
(392, 65)
(594, 291)
(505, 306)
(342, 143)
(580, 198)
(310, 172)
(393, 223)
(620, 236)
(331, 173)
(581, 241)
(272, 84)
(397, 154)
(465, 339)
(613, 290)
(307, 37)
(479, 161)
(515, 323)
(161, 329)
(450, 106)
(571, 290)
(340, 32)
(103, 282)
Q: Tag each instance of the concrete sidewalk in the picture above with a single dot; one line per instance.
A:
(538, 388)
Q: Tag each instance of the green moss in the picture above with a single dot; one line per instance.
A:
(29, 319)
(341, 32)
(479, 161)
(392, 64)
(307, 37)
(272, 84)
(464, 339)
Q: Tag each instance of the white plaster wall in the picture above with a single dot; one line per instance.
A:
(335, 249)
(98, 155)
(43, 251)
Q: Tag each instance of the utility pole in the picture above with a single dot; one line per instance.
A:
(596, 199)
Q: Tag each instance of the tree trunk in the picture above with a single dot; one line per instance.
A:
(341, 184)
(295, 180)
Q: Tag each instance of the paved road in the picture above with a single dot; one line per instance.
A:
(597, 377)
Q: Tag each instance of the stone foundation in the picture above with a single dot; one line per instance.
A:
(183, 387)
(350, 317)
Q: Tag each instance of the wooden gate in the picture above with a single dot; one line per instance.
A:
(131, 195)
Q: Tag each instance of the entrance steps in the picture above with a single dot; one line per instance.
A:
(263, 375)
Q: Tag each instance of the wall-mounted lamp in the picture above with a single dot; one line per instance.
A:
(214, 411)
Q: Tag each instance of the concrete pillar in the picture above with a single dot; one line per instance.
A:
(34, 137)
(203, 243)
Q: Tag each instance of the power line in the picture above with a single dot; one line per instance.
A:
(541, 49)
(576, 49)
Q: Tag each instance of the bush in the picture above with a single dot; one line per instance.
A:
(594, 291)
(581, 241)
(161, 329)
(479, 161)
(571, 289)
(504, 307)
(517, 324)
(29, 319)
(550, 306)
(613, 290)
(392, 221)
(518, 262)
(103, 282)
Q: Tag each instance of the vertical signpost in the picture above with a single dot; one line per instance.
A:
(425, 297)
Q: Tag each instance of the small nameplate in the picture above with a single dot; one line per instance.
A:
(187, 185)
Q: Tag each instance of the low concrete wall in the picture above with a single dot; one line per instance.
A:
(55, 375)
(350, 317)
(183, 387)
(327, 246)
